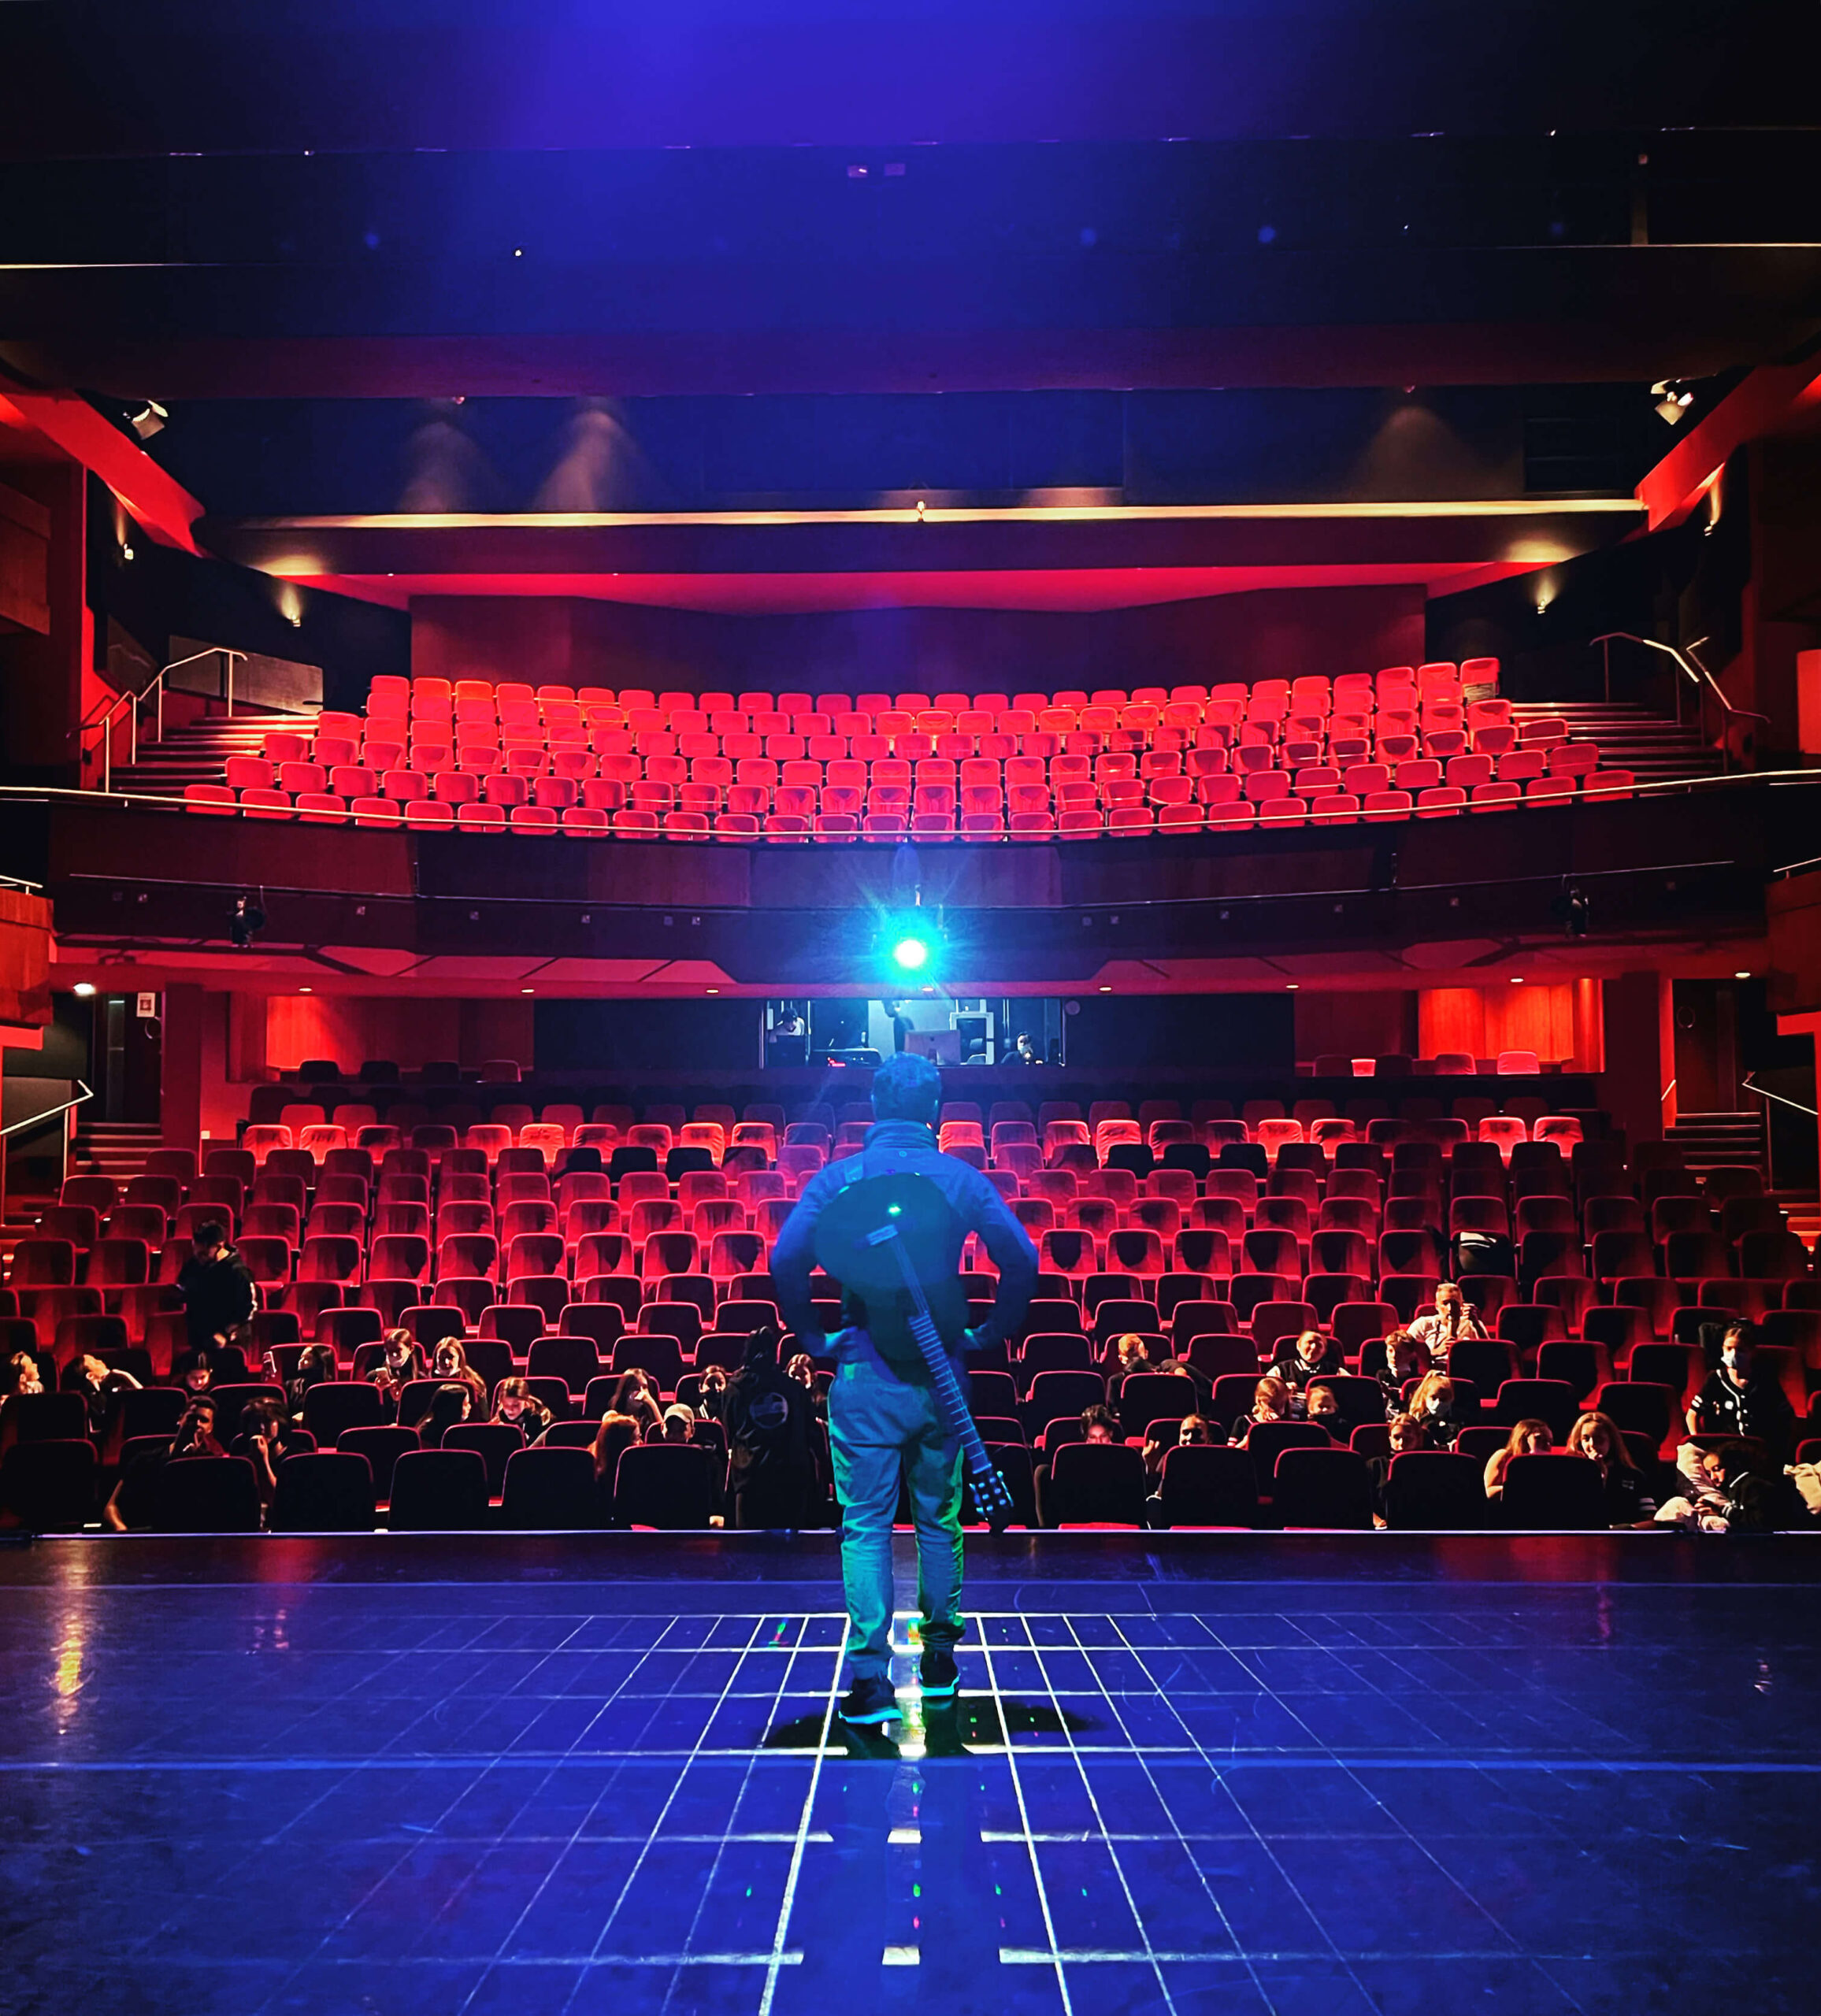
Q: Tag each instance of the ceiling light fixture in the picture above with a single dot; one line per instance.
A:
(1745, 976)
(84, 989)
(1673, 400)
(150, 420)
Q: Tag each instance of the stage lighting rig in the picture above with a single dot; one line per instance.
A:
(1673, 400)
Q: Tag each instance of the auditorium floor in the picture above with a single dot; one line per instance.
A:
(1272, 1773)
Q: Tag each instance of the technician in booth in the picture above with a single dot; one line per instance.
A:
(885, 1420)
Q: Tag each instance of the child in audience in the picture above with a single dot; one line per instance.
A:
(636, 1397)
(1406, 1434)
(1131, 1353)
(1100, 1424)
(1406, 1357)
(1737, 1399)
(1437, 1405)
(1725, 1493)
(1321, 1405)
(451, 1405)
(448, 1363)
(399, 1362)
(316, 1366)
(1307, 1358)
(19, 1376)
(516, 1406)
(1271, 1402)
(617, 1432)
(1529, 1438)
(1628, 1501)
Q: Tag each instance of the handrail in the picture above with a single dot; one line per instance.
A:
(50, 1112)
(1641, 787)
(1696, 675)
(155, 687)
(1746, 1085)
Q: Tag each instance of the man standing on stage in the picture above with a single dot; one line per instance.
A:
(885, 1422)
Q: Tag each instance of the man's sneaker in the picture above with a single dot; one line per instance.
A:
(937, 1674)
(871, 1699)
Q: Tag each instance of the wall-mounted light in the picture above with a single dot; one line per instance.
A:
(1736, 977)
(84, 989)
(1517, 980)
(1291, 985)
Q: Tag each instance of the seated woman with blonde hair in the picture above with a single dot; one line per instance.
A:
(1529, 1438)
(1436, 1404)
(1628, 1499)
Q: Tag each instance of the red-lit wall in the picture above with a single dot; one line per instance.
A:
(351, 1029)
(1560, 1020)
(1271, 633)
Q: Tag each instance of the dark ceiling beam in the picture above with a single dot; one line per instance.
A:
(1363, 317)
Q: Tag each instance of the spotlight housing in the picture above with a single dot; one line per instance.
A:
(1673, 400)
(149, 420)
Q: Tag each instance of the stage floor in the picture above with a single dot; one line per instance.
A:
(1316, 1775)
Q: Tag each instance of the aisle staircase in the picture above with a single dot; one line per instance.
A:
(114, 1148)
(1630, 737)
(198, 752)
(1707, 1140)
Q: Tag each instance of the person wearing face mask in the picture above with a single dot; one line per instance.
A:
(1528, 1438)
(1436, 1404)
(1628, 1500)
(1453, 1316)
(516, 1406)
(1321, 1405)
(1737, 1399)
(448, 1363)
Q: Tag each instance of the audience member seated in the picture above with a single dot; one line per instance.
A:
(448, 1362)
(1311, 1355)
(516, 1406)
(134, 1503)
(1131, 1354)
(1528, 1438)
(617, 1432)
(1100, 1424)
(316, 1366)
(1736, 1398)
(1628, 1499)
(1453, 1316)
(1271, 1402)
(1436, 1404)
(1725, 1491)
(101, 1387)
(19, 1376)
(636, 1397)
(768, 1417)
(400, 1361)
(1406, 1357)
(1407, 1433)
(1321, 1404)
(451, 1405)
(1193, 1431)
(267, 1436)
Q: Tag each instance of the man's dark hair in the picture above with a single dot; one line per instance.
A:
(211, 1232)
(907, 1087)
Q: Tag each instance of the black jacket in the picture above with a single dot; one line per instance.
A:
(218, 1295)
(1760, 1408)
